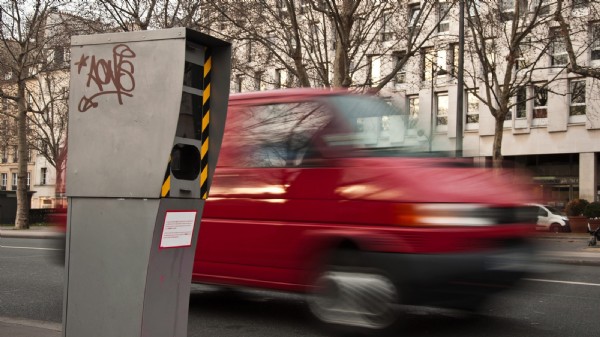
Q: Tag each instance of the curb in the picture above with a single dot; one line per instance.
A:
(18, 327)
(32, 323)
(570, 236)
(30, 233)
(588, 257)
(574, 262)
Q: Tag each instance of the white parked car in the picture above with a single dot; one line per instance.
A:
(551, 219)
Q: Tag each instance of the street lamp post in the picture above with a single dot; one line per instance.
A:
(433, 123)
(433, 116)
(460, 79)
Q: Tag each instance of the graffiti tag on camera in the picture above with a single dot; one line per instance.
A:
(110, 77)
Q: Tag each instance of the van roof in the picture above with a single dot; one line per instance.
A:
(296, 92)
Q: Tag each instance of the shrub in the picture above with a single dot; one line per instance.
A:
(575, 207)
(592, 210)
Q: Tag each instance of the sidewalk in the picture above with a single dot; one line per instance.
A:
(584, 255)
(38, 232)
(14, 327)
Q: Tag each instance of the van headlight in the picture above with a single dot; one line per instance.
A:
(461, 214)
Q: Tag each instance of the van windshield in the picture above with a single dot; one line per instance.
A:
(375, 127)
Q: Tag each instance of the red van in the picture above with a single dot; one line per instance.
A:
(331, 194)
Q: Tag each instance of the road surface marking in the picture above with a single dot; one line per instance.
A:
(565, 282)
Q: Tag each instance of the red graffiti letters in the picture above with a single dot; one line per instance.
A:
(110, 77)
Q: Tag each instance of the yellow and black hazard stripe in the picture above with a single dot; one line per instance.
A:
(166, 186)
(205, 125)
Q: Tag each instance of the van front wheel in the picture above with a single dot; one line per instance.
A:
(354, 297)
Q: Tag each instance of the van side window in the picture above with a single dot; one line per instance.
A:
(280, 135)
(542, 212)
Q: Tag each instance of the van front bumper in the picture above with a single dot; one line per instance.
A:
(455, 280)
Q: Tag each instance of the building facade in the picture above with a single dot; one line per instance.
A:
(46, 89)
(552, 128)
(41, 175)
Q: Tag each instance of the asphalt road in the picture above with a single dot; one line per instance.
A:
(564, 300)
(31, 283)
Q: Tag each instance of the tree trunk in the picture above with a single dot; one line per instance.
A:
(497, 149)
(341, 62)
(302, 74)
(340, 66)
(22, 216)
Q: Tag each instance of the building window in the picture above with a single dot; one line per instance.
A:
(4, 155)
(58, 55)
(14, 181)
(4, 130)
(3, 181)
(510, 113)
(595, 43)
(369, 74)
(373, 69)
(280, 78)
(541, 7)
(414, 12)
(472, 15)
(557, 48)
(577, 98)
(491, 51)
(507, 8)
(239, 81)
(540, 101)
(67, 55)
(441, 62)
(524, 48)
(304, 6)
(454, 59)
(386, 32)
(15, 154)
(258, 80)
(441, 109)
(472, 107)
(413, 111)
(28, 180)
(444, 17)
(43, 176)
(427, 56)
(249, 52)
(577, 4)
(521, 102)
(282, 8)
(401, 74)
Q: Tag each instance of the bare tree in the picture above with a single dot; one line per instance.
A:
(574, 27)
(508, 49)
(48, 125)
(321, 42)
(24, 44)
(130, 15)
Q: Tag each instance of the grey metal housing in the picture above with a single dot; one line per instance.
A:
(125, 125)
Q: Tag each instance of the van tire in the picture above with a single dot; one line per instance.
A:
(555, 228)
(351, 297)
